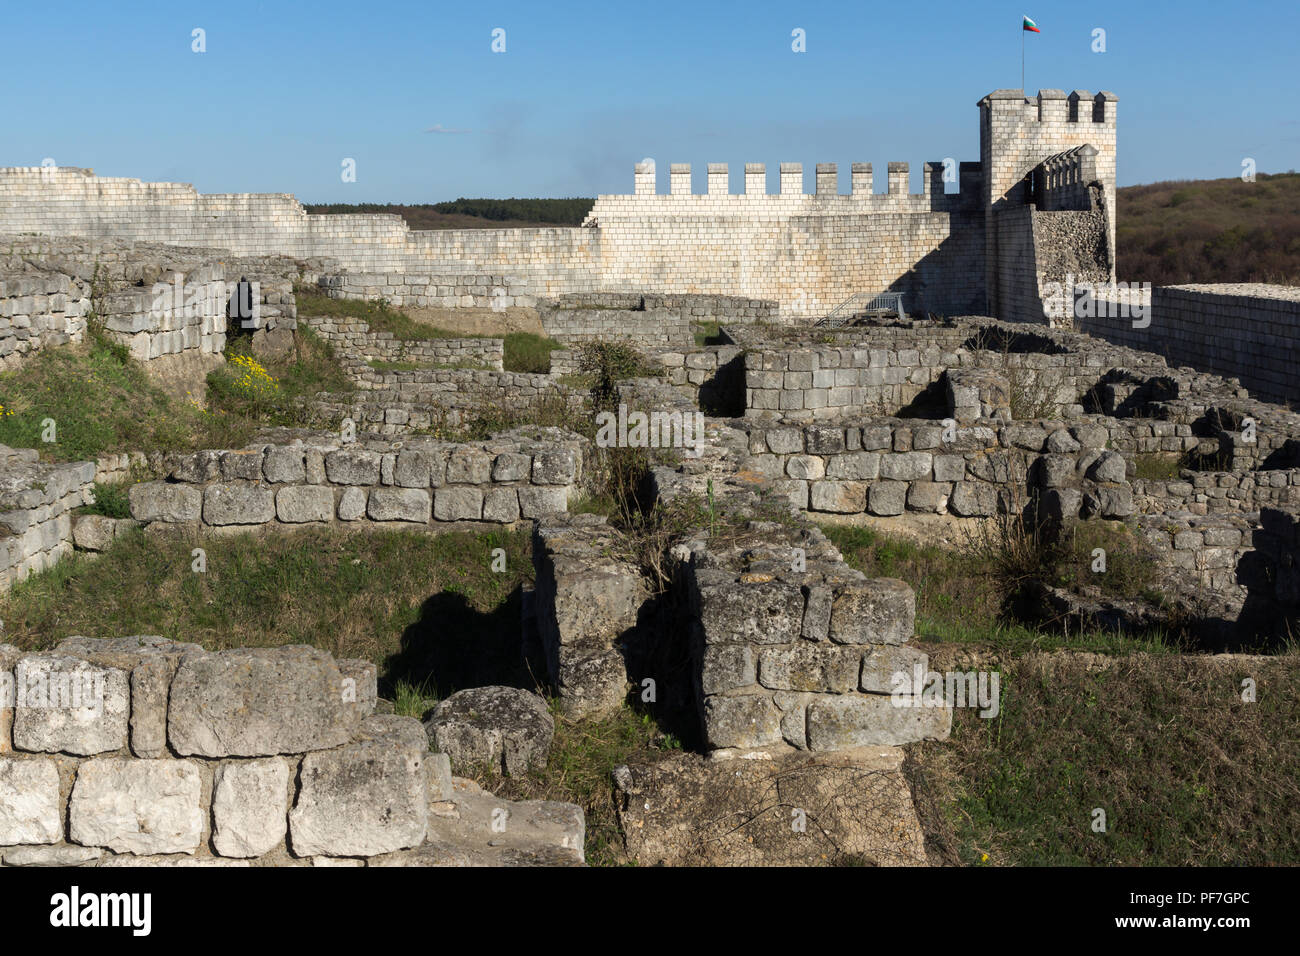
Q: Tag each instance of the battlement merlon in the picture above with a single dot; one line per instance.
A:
(1051, 106)
(826, 184)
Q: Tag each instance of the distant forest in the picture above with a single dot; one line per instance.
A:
(1210, 230)
(472, 213)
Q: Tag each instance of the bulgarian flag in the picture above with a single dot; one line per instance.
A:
(1031, 26)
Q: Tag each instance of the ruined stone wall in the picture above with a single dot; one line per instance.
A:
(354, 338)
(797, 650)
(38, 309)
(825, 382)
(37, 500)
(428, 399)
(518, 475)
(1219, 492)
(886, 467)
(1247, 331)
(171, 755)
(651, 328)
(420, 290)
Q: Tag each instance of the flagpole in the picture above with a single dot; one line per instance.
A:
(1022, 58)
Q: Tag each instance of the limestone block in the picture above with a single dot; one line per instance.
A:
(368, 797)
(164, 501)
(250, 804)
(68, 705)
(874, 611)
(137, 806)
(295, 504)
(741, 720)
(502, 727)
(238, 503)
(399, 504)
(837, 722)
(258, 702)
(29, 801)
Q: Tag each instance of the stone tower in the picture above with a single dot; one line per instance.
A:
(1019, 133)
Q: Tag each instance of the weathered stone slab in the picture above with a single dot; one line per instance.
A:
(352, 466)
(238, 503)
(68, 705)
(29, 801)
(874, 611)
(760, 613)
(504, 727)
(258, 702)
(250, 805)
(742, 720)
(855, 720)
(399, 504)
(690, 811)
(137, 806)
(164, 501)
(458, 504)
(367, 797)
(810, 667)
(295, 504)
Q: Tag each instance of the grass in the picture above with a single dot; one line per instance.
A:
(110, 500)
(1186, 772)
(380, 316)
(98, 400)
(708, 333)
(101, 401)
(426, 608)
(579, 770)
(1153, 465)
(526, 352)
(959, 599)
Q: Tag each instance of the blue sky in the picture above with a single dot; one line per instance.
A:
(286, 91)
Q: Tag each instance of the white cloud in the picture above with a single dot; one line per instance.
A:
(439, 128)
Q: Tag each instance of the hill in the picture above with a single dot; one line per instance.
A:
(1210, 230)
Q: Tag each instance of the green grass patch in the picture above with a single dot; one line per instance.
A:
(579, 770)
(1156, 466)
(962, 596)
(427, 608)
(708, 333)
(526, 352)
(379, 315)
(110, 500)
(92, 399)
(1186, 772)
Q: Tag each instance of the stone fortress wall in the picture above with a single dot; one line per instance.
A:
(141, 751)
(807, 250)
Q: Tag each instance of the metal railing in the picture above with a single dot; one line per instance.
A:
(876, 304)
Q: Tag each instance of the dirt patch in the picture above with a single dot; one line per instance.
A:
(479, 321)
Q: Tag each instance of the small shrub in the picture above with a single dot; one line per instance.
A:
(110, 500)
(610, 363)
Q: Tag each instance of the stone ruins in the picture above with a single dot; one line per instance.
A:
(1021, 381)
